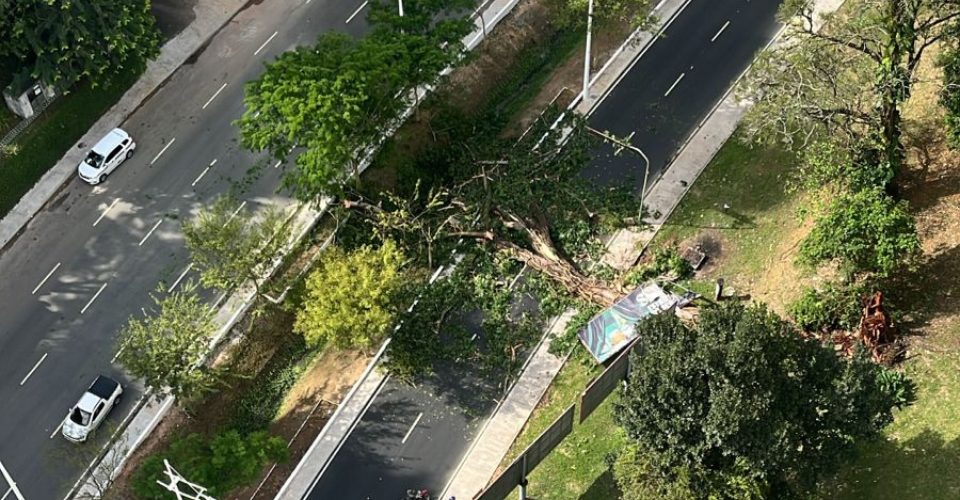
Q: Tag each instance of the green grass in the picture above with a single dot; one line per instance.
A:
(920, 455)
(752, 181)
(577, 468)
(55, 131)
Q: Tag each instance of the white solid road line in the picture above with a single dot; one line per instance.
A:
(34, 368)
(155, 158)
(179, 279)
(265, 43)
(415, 422)
(214, 96)
(674, 84)
(721, 31)
(364, 4)
(93, 298)
(154, 228)
(104, 214)
(45, 278)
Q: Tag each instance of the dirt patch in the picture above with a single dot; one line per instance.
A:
(306, 410)
(565, 82)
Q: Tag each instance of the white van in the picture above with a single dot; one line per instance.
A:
(106, 156)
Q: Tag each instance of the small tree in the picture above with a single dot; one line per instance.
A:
(950, 94)
(741, 403)
(865, 232)
(352, 299)
(231, 246)
(166, 348)
(60, 42)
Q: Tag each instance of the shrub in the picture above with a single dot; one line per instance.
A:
(666, 262)
(835, 307)
(227, 461)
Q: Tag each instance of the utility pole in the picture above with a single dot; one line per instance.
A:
(12, 485)
(586, 55)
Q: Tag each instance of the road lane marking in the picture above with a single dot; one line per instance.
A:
(117, 355)
(179, 279)
(195, 181)
(104, 214)
(154, 228)
(415, 422)
(278, 164)
(45, 278)
(674, 84)
(235, 212)
(265, 43)
(54, 433)
(155, 158)
(619, 149)
(93, 299)
(34, 369)
(364, 4)
(214, 96)
(721, 31)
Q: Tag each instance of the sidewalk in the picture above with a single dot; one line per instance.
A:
(493, 442)
(211, 15)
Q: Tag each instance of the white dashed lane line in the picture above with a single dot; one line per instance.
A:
(180, 278)
(214, 96)
(674, 84)
(360, 8)
(155, 158)
(237, 211)
(45, 278)
(24, 381)
(277, 165)
(154, 228)
(195, 181)
(415, 422)
(93, 298)
(104, 214)
(265, 43)
(721, 31)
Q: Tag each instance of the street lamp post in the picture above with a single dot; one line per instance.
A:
(586, 55)
(626, 145)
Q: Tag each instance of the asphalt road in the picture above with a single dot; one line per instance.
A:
(659, 103)
(92, 257)
(414, 437)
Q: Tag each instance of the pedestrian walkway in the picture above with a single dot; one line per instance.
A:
(211, 15)
(492, 443)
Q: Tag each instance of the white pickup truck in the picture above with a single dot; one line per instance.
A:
(92, 409)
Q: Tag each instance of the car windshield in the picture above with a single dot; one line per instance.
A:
(79, 416)
(94, 160)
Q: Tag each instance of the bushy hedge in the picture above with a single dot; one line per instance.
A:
(220, 464)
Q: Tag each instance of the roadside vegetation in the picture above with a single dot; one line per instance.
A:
(290, 360)
(773, 240)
